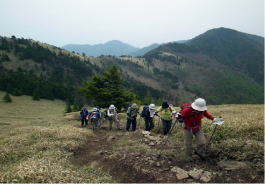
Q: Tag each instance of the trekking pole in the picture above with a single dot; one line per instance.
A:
(139, 122)
(209, 142)
(173, 126)
(159, 125)
(219, 121)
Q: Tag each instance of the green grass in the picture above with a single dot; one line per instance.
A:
(36, 143)
(37, 139)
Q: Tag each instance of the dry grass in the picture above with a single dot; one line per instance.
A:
(37, 139)
(36, 142)
(242, 135)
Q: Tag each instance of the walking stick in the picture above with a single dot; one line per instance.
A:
(159, 125)
(173, 126)
(209, 142)
(219, 121)
(139, 122)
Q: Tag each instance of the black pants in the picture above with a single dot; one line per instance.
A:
(83, 122)
(166, 126)
(129, 122)
(149, 124)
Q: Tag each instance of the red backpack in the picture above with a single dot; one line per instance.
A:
(184, 106)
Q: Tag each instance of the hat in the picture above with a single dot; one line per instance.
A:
(95, 109)
(199, 104)
(152, 106)
(134, 106)
(112, 107)
(165, 105)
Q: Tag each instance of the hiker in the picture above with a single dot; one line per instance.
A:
(131, 117)
(112, 117)
(100, 116)
(148, 114)
(94, 118)
(192, 114)
(166, 112)
(84, 116)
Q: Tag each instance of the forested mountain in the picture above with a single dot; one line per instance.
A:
(114, 47)
(144, 50)
(222, 65)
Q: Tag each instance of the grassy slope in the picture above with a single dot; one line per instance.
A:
(36, 143)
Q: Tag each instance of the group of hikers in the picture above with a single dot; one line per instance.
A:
(190, 116)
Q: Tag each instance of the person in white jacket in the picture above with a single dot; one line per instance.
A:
(112, 117)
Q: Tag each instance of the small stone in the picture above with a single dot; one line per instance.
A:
(100, 152)
(195, 173)
(180, 173)
(146, 140)
(110, 138)
(145, 132)
(163, 162)
(232, 165)
(94, 164)
(151, 144)
(158, 164)
(206, 176)
(151, 162)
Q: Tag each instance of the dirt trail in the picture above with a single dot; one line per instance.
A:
(114, 153)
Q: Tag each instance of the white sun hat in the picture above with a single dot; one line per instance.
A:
(199, 105)
(112, 107)
(152, 106)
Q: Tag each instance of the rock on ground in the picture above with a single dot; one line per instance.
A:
(180, 173)
(206, 176)
(110, 138)
(195, 173)
(232, 165)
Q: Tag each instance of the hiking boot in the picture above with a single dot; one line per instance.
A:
(201, 154)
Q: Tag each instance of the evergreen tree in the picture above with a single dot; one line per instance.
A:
(36, 95)
(68, 107)
(107, 89)
(7, 98)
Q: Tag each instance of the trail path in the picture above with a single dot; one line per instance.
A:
(141, 157)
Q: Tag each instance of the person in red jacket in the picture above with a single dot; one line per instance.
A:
(192, 116)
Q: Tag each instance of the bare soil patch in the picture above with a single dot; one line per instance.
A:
(145, 163)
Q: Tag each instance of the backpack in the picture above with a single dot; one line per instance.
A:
(93, 115)
(182, 107)
(144, 113)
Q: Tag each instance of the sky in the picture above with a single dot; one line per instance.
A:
(136, 22)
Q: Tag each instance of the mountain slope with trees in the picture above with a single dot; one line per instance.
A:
(218, 65)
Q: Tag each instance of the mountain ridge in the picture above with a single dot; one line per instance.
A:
(177, 72)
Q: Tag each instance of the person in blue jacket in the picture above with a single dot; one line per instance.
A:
(84, 116)
(94, 117)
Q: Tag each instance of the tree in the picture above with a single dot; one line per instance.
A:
(107, 89)
(7, 98)
(36, 95)
(68, 107)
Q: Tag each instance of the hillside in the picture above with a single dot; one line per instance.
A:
(41, 144)
(223, 65)
(114, 47)
(33, 68)
(177, 72)
(144, 50)
(240, 51)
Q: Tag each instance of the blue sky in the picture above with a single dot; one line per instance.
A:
(137, 22)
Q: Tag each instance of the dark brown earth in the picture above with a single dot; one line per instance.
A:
(128, 165)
